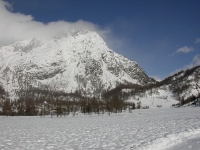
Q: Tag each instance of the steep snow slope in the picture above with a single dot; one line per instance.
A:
(76, 61)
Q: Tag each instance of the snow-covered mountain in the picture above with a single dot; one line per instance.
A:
(76, 61)
(184, 83)
(181, 87)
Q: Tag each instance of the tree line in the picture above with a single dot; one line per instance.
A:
(42, 102)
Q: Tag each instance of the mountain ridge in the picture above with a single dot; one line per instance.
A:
(76, 61)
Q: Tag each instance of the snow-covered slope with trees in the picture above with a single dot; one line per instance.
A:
(182, 87)
(77, 61)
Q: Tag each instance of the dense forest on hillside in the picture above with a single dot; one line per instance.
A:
(43, 102)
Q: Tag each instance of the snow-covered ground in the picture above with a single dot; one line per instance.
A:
(162, 97)
(188, 144)
(149, 129)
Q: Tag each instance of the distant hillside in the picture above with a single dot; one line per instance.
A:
(183, 86)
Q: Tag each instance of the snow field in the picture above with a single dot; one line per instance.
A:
(154, 129)
(164, 98)
(188, 144)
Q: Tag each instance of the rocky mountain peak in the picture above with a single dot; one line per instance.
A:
(76, 61)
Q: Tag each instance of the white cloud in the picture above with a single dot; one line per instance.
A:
(195, 62)
(184, 49)
(17, 26)
(197, 40)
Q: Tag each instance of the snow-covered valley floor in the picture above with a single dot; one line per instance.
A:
(153, 129)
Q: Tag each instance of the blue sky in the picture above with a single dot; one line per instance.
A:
(163, 36)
